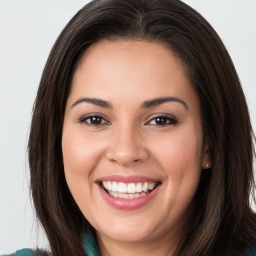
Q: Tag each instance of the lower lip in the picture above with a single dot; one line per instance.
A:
(128, 204)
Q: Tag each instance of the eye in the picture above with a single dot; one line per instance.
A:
(162, 121)
(93, 120)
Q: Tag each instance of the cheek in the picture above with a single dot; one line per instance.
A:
(80, 156)
(179, 153)
(180, 160)
(80, 153)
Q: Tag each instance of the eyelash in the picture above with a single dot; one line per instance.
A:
(98, 120)
(165, 120)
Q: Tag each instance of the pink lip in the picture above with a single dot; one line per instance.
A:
(127, 179)
(127, 204)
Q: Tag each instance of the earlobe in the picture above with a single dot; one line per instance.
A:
(206, 158)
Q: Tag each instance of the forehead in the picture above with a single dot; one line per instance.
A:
(148, 50)
(131, 67)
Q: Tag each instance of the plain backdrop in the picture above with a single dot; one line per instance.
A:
(28, 30)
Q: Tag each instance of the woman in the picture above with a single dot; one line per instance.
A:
(141, 142)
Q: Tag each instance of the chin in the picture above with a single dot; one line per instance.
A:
(126, 232)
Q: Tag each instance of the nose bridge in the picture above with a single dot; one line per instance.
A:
(126, 144)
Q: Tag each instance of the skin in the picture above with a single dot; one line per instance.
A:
(126, 140)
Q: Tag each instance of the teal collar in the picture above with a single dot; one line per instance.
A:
(91, 247)
(251, 252)
(90, 244)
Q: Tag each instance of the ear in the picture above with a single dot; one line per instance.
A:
(206, 162)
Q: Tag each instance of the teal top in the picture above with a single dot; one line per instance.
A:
(91, 248)
(251, 252)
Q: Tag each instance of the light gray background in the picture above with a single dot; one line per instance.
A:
(28, 30)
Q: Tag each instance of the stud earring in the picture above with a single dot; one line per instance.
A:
(206, 166)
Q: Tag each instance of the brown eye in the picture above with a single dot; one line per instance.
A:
(162, 121)
(93, 121)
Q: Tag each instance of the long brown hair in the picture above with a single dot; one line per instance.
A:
(222, 222)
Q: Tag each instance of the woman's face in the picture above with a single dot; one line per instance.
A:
(132, 141)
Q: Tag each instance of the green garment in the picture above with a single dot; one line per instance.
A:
(251, 252)
(24, 252)
(90, 246)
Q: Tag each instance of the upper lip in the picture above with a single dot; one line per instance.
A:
(127, 179)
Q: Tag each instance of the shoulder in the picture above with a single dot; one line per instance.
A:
(24, 252)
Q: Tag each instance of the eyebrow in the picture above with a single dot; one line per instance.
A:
(94, 101)
(146, 104)
(159, 101)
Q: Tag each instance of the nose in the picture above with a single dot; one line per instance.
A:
(126, 147)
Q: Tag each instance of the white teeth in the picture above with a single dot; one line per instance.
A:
(121, 188)
(114, 194)
(131, 189)
(131, 196)
(136, 195)
(139, 187)
(151, 186)
(114, 186)
(145, 187)
(105, 184)
(123, 196)
(109, 185)
(126, 196)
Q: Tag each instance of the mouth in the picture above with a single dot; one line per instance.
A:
(128, 190)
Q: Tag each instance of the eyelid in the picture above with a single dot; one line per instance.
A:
(82, 120)
(173, 119)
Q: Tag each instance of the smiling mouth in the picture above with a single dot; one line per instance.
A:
(128, 190)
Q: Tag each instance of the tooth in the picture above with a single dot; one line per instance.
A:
(131, 188)
(104, 183)
(151, 186)
(109, 185)
(114, 194)
(145, 187)
(125, 196)
(114, 186)
(121, 187)
(139, 187)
